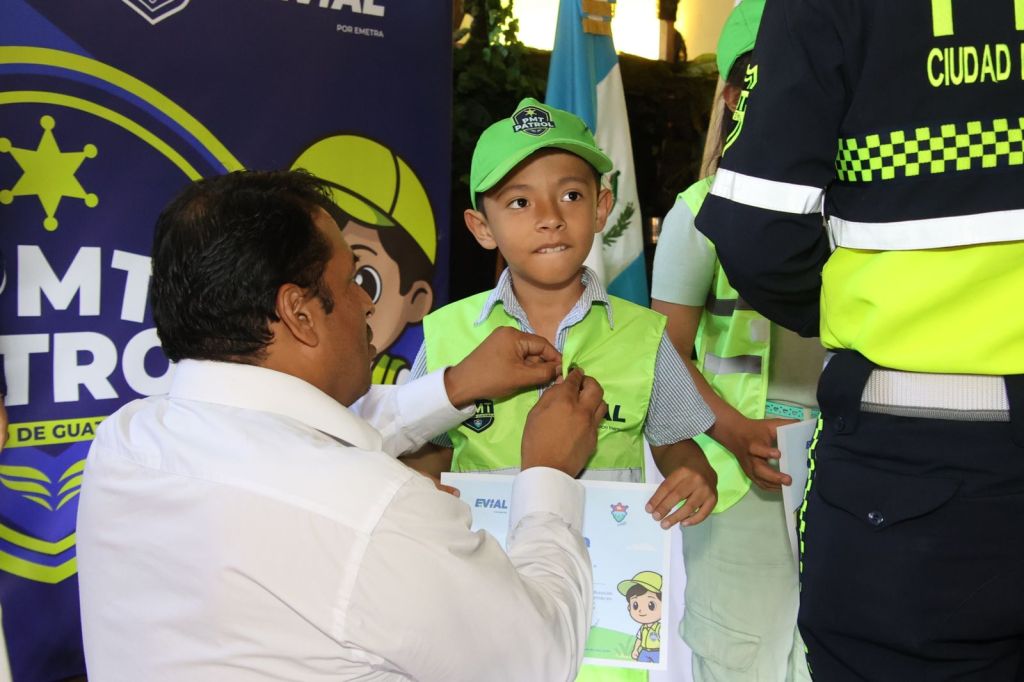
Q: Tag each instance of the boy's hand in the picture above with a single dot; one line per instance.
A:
(753, 442)
(561, 429)
(505, 363)
(688, 476)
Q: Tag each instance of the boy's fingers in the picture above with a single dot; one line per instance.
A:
(702, 511)
(660, 503)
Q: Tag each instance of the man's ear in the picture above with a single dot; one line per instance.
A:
(418, 301)
(476, 221)
(295, 310)
(604, 207)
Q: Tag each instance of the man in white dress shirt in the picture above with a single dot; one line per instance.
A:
(254, 524)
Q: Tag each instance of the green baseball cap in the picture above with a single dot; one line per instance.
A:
(532, 127)
(738, 34)
(649, 580)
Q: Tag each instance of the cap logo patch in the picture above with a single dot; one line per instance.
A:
(532, 121)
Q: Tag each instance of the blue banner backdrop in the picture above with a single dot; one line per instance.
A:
(107, 109)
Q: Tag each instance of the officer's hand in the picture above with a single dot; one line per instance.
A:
(753, 442)
(507, 362)
(561, 429)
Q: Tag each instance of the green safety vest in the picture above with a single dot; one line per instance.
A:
(732, 347)
(622, 360)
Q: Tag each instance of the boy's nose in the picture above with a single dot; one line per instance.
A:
(549, 217)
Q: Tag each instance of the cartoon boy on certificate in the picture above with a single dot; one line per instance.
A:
(643, 601)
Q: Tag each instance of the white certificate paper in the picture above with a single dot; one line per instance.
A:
(627, 548)
(794, 441)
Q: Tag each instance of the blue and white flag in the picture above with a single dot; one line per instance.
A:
(585, 79)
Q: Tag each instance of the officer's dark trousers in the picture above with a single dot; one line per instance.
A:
(913, 542)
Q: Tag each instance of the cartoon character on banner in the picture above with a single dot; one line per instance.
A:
(390, 227)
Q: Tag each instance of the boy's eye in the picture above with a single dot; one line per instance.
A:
(650, 606)
(518, 202)
(636, 605)
(369, 279)
(573, 195)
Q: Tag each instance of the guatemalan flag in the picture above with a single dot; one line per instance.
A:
(585, 79)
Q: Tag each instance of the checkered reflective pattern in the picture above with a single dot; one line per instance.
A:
(941, 149)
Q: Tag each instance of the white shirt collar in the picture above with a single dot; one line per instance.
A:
(257, 388)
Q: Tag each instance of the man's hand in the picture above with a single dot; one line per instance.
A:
(753, 442)
(505, 363)
(561, 429)
(689, 477)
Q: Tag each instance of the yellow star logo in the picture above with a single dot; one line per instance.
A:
(48, 173)
(530, 112)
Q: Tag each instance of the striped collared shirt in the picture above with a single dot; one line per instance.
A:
(676, 411)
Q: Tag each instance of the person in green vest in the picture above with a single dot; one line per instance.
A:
(537, 197)
(741, 578)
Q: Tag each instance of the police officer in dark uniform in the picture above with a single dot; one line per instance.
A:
(873, 194)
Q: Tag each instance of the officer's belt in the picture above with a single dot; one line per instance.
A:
(960, 397)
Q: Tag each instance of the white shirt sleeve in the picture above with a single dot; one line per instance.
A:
(467, 609)
(684, 262)
(409, 415)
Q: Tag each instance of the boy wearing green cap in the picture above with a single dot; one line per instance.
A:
(741, 580)
(537, 197)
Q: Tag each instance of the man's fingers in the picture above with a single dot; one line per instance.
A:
(592, 396)
(532, 345)
(574, 379)
(448, 489)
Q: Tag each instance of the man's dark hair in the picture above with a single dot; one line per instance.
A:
(222, 249)
(638, 590)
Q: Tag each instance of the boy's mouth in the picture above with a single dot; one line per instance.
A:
(557, 248)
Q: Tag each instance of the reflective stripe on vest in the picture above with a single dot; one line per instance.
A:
(732, 347)
(929, 233)
(622, 360)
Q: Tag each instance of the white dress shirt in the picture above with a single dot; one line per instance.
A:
(248, 527)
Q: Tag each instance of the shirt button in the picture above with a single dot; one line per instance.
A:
(840, 424)
(875, 518)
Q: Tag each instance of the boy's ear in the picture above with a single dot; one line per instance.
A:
(604, 207)
(477, 224)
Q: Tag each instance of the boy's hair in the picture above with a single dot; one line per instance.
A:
(479, 203)
(639, 590)
(222, 249)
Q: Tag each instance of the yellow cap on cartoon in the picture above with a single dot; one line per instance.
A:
(647, 579)
(377, 187)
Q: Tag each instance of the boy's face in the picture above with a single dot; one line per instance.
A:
(645, 608)
(543, 217)
(379, 275)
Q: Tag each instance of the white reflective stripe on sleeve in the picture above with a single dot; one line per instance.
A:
(929, 233)
(771, 194)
